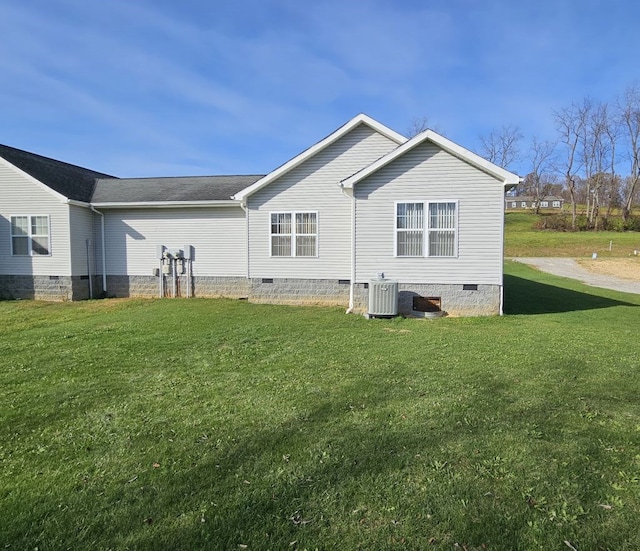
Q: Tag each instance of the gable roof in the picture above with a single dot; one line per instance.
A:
(179, 189)
(506, 177)
(322, 144)
(71, 181)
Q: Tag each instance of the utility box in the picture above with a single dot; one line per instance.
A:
(383, 298)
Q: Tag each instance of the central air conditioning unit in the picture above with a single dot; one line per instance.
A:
(383, 298)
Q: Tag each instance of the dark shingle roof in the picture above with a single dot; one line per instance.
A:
(74, 182)
(180, 188)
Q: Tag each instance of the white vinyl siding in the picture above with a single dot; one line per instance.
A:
(81, 221)
(313, 186)
(22, 196)
(217, 234)
(294, 233)
(428, 174)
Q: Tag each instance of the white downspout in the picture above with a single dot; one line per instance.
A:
(243, 206)
(352, 277)
(102, 247)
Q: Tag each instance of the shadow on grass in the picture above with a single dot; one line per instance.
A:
(527, 296)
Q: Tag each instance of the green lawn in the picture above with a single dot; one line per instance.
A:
(218, 424)
(522, 240)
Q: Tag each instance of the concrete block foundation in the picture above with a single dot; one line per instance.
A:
(454, 300)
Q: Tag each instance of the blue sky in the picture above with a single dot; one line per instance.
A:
(161, 87)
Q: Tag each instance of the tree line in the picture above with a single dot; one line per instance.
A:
(593, 159)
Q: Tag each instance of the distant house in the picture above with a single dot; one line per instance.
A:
(528, 202)
(362, 202)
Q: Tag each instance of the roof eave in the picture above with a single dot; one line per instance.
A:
(164, 204)
(62, 198)
(316, 148)
(507, 178)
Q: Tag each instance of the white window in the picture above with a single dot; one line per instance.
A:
(514, 204)
(30, 235)
(294, 234)
(544, 204)
(556, 204)
(426, 229)
(523, 204)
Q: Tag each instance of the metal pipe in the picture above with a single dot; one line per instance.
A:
(189, 280)
(353, 250)
(102, 247)
(175, 281)
(90, 275)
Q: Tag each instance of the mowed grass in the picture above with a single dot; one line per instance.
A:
(218, 424)
(522, 240)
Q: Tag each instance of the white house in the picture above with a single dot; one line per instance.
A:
(361, 202)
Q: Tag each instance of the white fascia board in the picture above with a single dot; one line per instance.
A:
(506, 177)
(78, 203)
(43, 186)
(165, 204)
(314, 149)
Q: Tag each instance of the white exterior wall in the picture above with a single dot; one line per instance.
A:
(21, 196)
(427, 173)
(81, 227)
(218, 235)
(313, 186)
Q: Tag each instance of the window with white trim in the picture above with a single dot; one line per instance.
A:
(426, 229)
(556, 204)
(513, 204)
(30, 235)
(294, 234)
(544, 204)
(523, 204)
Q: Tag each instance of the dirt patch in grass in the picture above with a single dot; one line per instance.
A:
(624, 268)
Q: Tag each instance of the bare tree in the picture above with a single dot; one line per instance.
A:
(417, 125)
(612, 131)
(570, 123)
(629, 112)
(598, 152)
(502, 147)
(539, 181)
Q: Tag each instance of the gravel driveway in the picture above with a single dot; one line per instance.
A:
(567, 267)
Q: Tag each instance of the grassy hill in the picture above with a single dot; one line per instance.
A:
(219, 424)
(522, 240)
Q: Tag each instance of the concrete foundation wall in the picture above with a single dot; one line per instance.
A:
(201, 286)
(455, 300)
(40, 287)
(326, 292)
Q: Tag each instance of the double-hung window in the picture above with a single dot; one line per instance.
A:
(426, 229)
(30, 235)
(294, 234)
